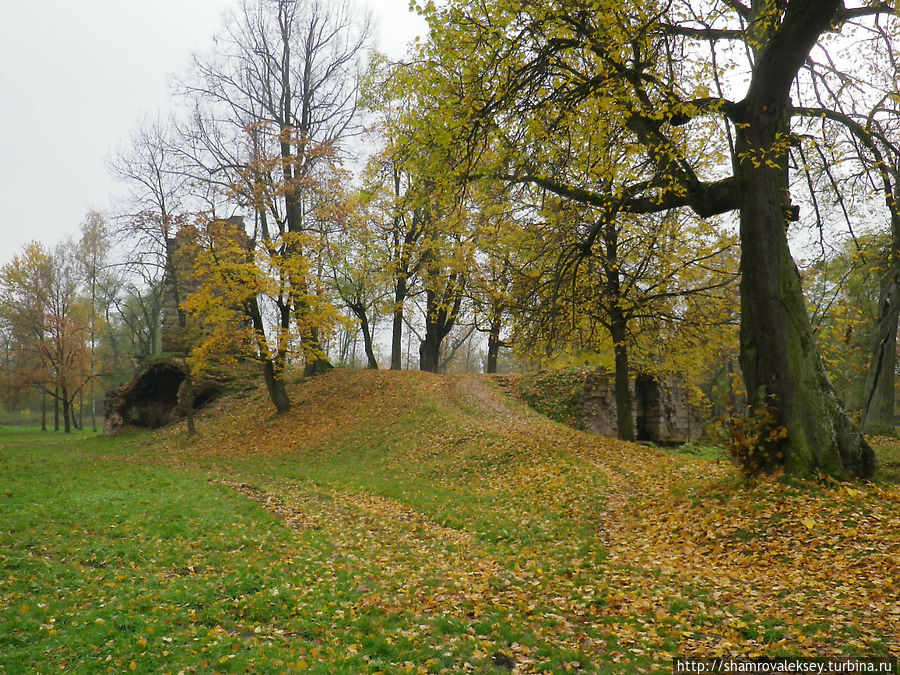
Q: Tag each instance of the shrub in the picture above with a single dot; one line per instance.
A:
(755, 439)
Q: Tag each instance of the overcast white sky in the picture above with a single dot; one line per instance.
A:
(75, 78)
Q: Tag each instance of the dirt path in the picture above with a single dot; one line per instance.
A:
(476, 391)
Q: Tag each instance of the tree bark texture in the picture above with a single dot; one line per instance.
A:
(367, 342)
(66, 404)
(275, 387)
(624, 403)
(494, 344)
(430, 350)
(189, 399)
(397, 328)
(878, 401)
(780, 362)
(359, 310)
(878, 410)
(439, 321)
(273, 379)
(318, 363)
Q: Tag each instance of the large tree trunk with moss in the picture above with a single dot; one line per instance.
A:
(779, 359)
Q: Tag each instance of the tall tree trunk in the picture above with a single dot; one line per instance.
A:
(878, 401)
(274, 379)
(367, 342)
(780, 363)
(494, 345)
(189, 399)
(624, 401)
(618, 330)
(878, 410)
(397, 328)
(93, 349)
(56, 408)
(67, 421)
(317, 363)
(43, 410)
(439, 321)
(174, 281)
(430, 347)
(275, 387)
(359, 311)
(430, 350)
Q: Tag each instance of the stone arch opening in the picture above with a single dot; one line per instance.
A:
(647, 408)
(153, 397)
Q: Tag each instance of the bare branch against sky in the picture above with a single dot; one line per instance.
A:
(75, 77)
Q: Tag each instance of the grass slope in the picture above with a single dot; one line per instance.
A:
(403, 522)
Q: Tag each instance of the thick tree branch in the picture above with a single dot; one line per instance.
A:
(704, 198)
(848, 14)
(742, 10)
(704, 33)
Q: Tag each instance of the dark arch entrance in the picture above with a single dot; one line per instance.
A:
(153, 397)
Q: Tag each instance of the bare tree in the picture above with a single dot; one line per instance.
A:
(150, 164)
(272, 106)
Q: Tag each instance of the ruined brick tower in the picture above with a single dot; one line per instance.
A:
(184, 283)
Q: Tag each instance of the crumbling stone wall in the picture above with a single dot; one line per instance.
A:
(663, 411)
(154, 397)
(184, 283)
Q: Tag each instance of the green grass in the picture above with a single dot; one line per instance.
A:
(699, 450)
(107, 562)
(557, 394)
(112, 561)
(397, 528)
(887, 450)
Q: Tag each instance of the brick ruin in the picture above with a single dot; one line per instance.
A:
(172, 335)
(154, 397)
(663, 410)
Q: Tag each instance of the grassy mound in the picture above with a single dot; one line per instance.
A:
(405, 522)
(556, 394)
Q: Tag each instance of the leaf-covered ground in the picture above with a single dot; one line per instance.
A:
(401, 522)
